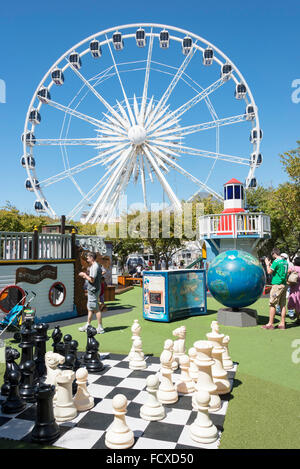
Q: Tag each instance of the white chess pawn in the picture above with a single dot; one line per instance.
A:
(119, 435)
(83, 400)
(137, 361)
(193, 370)
(227, 362)
(203, 430)
(167, 393)
(65, 409)
(152, 409)
(179, 345)
(186, 384)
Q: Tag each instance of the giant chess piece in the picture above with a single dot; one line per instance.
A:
(193, 370)
(152, 410)
(58, 346)
(27, 387)
(45, 429)
(186, 384)
(40, 340)
(52, 361)
(205, 381)
(91, 357)
(137, 361)
(203, 430)
(167, 393)
(179, 345)
(136, 332)
(73, 351)
(64, 409)
(66, 352)
(219, 375)
(227, 362)
(13, 403)
(27, 341)
(11, 355)
(119, 436)
(215, 336)
(83, 400)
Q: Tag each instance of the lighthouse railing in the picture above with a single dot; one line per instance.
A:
(235, 225)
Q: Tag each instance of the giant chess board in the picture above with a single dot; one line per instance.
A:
(87, 430)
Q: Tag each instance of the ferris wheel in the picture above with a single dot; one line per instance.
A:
(135, 106)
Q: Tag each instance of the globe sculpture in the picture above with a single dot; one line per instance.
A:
(236, 279)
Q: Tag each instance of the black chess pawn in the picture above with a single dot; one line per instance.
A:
(27, 341)
(57, 345)
(91, 358)
(40, 340)
(73, 350)
(11, 355)
(69, 357)
(27, 388)
(45, 429)
(13, 403)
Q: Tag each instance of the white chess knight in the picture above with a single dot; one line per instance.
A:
(167, 393)
(65, 409)
(215, 336)
(186, 384)
(119, 435)
(227, 362)
(83, 400)
(136, 332)
(179, 345)
(137, 361)
(203, 430)
(52, 360)
(152, 409)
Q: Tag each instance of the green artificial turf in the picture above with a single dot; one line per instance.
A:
(264, 409)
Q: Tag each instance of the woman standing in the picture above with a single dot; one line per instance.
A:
(294, 298)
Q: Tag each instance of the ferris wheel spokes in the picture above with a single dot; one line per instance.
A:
(146, 81)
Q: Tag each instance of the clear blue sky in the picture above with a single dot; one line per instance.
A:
(261, 38)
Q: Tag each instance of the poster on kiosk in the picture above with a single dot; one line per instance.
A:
(169, 295)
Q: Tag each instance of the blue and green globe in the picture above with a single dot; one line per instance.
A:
(236, 279)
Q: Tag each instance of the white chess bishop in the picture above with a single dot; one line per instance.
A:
(152, 409)
(167, 393)
(137, 361)
(65, 409)
(83, 400)
(119, 435)
(203, 430)
(186, 384)
(227, 362)
(193, 370)
(136, 333)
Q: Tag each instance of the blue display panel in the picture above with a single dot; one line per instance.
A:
(173, 294)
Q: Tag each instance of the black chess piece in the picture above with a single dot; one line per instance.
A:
(58, 346)
(69, 356)
(40, 340)
(13, 403)
(45, 429)
(27, 388)
(11, 355)
(73, 350)
(27, 341)
(91, 357)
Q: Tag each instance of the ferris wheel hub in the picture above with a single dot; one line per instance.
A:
(137, 134)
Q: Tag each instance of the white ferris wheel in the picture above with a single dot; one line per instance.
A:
(142, 114)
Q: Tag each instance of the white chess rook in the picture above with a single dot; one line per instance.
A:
(119, 436)
(65, 409)
(83, 400)
(152, 409)
(203, 430)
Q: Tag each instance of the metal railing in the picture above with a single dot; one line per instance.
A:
(235, 225)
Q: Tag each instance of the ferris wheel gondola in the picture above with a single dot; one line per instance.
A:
(139, 110)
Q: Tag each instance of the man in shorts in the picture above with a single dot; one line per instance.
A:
(278, 269)
(93, 287)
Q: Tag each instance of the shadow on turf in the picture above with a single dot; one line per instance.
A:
(110, 329)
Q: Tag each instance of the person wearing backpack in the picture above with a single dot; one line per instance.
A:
(294, 298)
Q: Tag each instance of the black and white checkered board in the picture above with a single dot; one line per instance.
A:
(88, 429)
